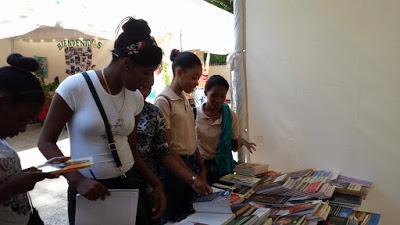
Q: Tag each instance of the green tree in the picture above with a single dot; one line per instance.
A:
(223, 4)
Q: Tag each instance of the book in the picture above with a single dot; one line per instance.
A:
(348, 180)
(251, 169)
(269, 200)
(211, 209)
(208, 218)
(353, 216)
(66, 167)
(289, 220)
(217, 202)
(240, 179)
(298, 210)
(345, 200)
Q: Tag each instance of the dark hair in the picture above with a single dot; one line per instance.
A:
(135, 31)
(216, 80)
(17, 80)
(184, 60)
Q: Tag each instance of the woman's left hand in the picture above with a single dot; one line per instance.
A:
(160, 202)
(251, 147)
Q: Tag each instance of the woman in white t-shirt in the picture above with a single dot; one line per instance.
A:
(21, 100)
(135, 57)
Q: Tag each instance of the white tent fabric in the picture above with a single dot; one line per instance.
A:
(237, 65)
(195, 23)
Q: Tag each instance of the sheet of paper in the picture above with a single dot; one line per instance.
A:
(209, 218)
(118, 208)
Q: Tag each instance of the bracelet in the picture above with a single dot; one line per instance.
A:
(193, 179)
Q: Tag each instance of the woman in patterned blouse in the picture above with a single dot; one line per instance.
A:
(152, 143)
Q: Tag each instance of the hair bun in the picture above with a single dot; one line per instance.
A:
(174, 54)
(22, 62)
(136, 27)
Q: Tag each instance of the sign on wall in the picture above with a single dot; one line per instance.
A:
(77, 59)
(67, 43)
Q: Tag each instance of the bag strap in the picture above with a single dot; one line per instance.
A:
(110, 137)
(195, 112)
(168, 100)
(170, 105)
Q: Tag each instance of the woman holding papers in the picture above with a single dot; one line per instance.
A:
(99, 109)
(217, 130)
(21, 100)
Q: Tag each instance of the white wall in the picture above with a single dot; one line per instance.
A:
(55, 57)
(5, 49)
(323, 89)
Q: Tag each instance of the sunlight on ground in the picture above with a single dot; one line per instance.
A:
(49, 196)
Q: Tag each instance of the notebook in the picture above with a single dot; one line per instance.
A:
(118, 208)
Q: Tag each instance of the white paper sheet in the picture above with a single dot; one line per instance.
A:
(118, 208)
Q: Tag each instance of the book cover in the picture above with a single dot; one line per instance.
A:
(66, 167)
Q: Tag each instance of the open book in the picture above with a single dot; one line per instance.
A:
(211, 209)
(66, 167)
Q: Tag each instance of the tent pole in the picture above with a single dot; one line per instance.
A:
(239, 74)
(180, 39)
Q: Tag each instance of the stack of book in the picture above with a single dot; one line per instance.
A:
(310, 212)
(346, 200)
(349, 191)
(304, 197)
(299, 185)
(240, 180)
(269, 200)
(251, 169)
(348, 216)
(352, 186)
(251, 215)
(211, 209)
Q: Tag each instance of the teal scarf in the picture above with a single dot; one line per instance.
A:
(223, 157)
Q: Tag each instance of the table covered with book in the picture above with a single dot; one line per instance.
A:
(254, 195)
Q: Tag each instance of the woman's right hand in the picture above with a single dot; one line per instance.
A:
(25, 180)
(200, 186)
(91, 189)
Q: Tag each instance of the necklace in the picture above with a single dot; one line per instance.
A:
(120, 120)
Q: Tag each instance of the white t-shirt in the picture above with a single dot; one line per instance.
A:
(86, 128)
(16, 210)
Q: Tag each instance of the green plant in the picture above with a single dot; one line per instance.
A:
(166, 76)
(223, 4)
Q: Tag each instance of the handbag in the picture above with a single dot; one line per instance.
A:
(34, 219)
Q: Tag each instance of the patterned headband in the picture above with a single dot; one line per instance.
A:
(132, 49)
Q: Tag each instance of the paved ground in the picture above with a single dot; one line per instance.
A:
(49, 196)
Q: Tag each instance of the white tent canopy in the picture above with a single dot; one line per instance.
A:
(195, 24)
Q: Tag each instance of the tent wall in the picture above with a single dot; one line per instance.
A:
(55, 57)
(323, 86)
(5, 49)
